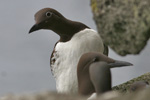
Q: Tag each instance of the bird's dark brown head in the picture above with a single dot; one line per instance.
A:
(46, 18)
(90, 57)
(51, 19)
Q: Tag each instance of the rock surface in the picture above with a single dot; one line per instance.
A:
(140, 95)
(124, 88)
(119, 93)
(123, 24)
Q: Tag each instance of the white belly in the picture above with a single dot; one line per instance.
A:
(67, 56)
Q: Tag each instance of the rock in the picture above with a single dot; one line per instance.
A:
(42, 96)
(120, 92)
(123, 24)
(125, 87)
(140, 95)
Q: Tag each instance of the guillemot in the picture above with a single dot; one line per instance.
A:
(93, 73)
(75, 39)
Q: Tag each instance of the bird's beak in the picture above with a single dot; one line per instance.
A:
(118, 63)
(34, 28)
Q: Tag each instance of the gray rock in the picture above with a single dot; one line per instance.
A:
(125, 87)
(123, 24)
(140, 95)
(120, 92)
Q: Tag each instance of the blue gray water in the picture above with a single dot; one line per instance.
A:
(24, 58)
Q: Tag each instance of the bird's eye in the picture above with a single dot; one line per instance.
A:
(48, 14)
(95, 59)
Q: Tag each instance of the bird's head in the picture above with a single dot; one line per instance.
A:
(46, 18)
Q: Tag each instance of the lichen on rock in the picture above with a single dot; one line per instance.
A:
(125, 87)
(123, 24)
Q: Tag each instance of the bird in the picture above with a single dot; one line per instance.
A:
(93, 73)
(139, 85)
(76, 39)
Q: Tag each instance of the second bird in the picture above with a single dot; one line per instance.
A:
(94, 73)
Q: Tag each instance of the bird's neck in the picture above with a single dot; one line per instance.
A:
(67, 28)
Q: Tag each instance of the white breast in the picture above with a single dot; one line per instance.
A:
(67, 56)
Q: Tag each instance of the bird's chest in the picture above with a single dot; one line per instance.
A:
(66, 56)
(65, 66)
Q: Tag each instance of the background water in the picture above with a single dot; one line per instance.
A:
(24, 58)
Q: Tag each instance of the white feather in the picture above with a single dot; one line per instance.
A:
(67, 56)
